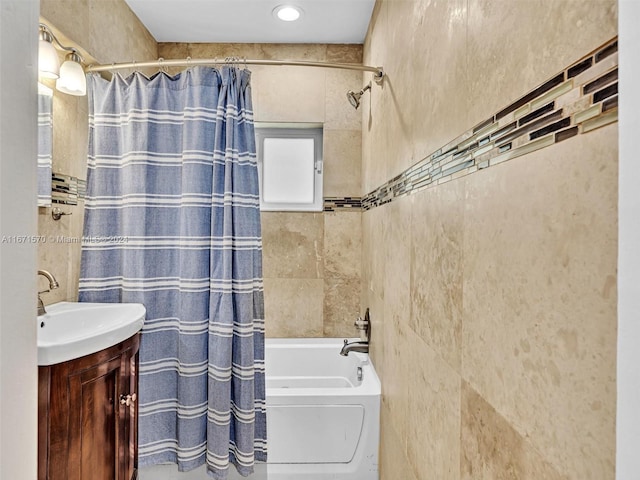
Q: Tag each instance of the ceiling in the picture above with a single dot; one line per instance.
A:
(252, 21)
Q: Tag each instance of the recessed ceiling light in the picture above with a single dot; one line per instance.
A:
(287, 13)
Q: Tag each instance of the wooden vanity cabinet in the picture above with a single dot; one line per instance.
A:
(88, 416)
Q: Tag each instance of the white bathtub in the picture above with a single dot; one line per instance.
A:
(323, 421)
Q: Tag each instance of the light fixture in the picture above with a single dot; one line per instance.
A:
(72, 79)
(287, 13)
(48, 63)
(70, 76)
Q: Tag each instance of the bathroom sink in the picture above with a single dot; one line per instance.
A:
(71, 330)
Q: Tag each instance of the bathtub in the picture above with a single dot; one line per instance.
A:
(323, 415)
(323, 411)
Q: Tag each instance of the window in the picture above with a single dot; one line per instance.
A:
(290, 166)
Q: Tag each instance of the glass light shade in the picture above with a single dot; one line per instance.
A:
(48, 63)
(72, 79)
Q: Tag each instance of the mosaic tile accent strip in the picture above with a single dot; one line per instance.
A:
(577, 100)
(67, 190)
(342, 204)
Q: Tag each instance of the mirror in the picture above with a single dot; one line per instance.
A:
(45, 144)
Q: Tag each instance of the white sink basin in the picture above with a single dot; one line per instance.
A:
(71, 330)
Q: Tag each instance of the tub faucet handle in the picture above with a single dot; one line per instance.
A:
(364, 325)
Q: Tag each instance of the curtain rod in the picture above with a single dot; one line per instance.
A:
(189, 62)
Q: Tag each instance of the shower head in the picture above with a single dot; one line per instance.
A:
(354, 97)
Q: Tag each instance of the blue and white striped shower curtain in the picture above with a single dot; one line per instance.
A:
(172, 221)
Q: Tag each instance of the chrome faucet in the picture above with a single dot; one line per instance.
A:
(53, 284)
(362, 346)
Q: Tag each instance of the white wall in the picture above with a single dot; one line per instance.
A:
(18, 365)
(628, 419)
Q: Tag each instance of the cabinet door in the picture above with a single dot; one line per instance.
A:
(96, 419)
(87, 431)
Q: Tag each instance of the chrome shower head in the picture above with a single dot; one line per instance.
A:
(354, 97)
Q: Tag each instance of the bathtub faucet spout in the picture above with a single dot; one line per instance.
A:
(359, 346)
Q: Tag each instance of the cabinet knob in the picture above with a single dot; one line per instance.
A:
(128, 400)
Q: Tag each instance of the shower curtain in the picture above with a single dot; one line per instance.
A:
(172, 221)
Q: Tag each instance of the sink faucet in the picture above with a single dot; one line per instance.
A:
(53, 284)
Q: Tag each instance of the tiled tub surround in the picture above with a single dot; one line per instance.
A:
(311, 260)
(576, 101)
(500, 285)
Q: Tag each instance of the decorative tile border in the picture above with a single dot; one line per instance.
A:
(342, 204)
(578, 100)
(66, 189)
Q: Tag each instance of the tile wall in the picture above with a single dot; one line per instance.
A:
(493, 292)
(578, 100)
(311, 261)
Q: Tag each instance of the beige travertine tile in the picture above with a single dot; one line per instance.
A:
(343, 53)
(76, 222)
(342, 265)
(292, 51)
(129, 39)
(53, 254)
(342, 244)
(65, 131)
(70, 16)
(396, 255)
(373, 166)
(293, 307)
(378, 340)
(491, 449)
(377, 250)
(341, 306)
(396, 372)
(426, 64)
(79, 164)
(451, 65)
(288, 94)
(433, 435)
(390, 127)
(342, 156)
(209, 50)
(179, 50)
(292, 244)
(502, 66)
(539, 318)
(339, 114)
(393, 459)
(437, 269)
(367, 245)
